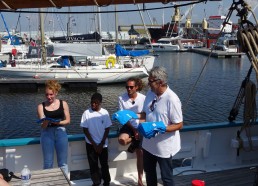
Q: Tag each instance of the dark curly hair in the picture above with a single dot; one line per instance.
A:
(138, 82)
(96, 96)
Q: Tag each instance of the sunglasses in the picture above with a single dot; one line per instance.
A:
(129, 87)
(151, 81)
(153, 105)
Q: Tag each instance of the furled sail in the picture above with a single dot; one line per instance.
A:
(120, 51)
(77, 49)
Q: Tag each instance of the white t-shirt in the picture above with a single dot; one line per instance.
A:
(125, 103)
(167, 108)
(96, 122)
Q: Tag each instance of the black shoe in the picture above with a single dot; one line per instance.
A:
(134, 145)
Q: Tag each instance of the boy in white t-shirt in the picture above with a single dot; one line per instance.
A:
(96, 122)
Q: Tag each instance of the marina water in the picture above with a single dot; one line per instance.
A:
(210, 101)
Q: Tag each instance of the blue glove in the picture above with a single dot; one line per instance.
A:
(160, 127)
(150, 129)
(146, 130)
(49, 119)
(123, 116)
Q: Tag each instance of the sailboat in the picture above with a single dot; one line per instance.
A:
(105, 68)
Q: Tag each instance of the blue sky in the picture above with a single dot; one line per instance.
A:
(85, 22)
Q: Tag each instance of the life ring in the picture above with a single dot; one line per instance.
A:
(111, 60)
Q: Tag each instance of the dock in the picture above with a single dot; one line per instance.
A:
(33, 85)
(216, 53)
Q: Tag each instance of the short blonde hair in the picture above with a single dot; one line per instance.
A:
(53, 85)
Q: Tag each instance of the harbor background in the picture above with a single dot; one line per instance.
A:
(210, 101)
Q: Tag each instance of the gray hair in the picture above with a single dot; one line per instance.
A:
(159, 73)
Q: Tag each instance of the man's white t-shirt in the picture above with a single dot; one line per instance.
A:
(167, 108)
(125, 103)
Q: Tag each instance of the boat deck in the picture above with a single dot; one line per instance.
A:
(233, 177)
(216, 53)
(53, 176)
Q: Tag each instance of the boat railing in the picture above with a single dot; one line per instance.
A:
(114, 134)
(207, 147)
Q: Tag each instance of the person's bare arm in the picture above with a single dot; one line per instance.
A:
(41, 115)
(174, 126)
(142, 117)
(67, 114)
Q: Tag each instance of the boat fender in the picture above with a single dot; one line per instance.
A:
(111, 60)
(14, 52)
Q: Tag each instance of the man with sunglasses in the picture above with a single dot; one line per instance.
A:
(132, 100)
(161, 105)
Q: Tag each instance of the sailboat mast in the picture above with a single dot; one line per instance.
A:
(68, 23)
(42, 35)
(116, 24)
(149, 38)
(99, 25)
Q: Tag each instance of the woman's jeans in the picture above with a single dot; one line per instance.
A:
(166, 169)
(54, 138)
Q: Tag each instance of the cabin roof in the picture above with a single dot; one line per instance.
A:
(21, 4)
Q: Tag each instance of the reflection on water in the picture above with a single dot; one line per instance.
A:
(211, 100)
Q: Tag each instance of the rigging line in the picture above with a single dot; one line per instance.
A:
(253, 15)
(60, 24)
(186, 4)
(18, 21)
(6, 5)
(53, 4)
(6, 27)
(145, 28)
(79, 74)
(100, 12)
(239, 99)
(96, 3)
(212, 49)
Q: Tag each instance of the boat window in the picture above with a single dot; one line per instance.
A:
(232, 42)
(57, 66)
(163, 42)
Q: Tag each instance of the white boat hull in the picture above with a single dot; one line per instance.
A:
(101, 72)
(164, 48)
(102, 76)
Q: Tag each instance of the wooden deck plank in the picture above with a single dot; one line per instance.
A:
(44, 177)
